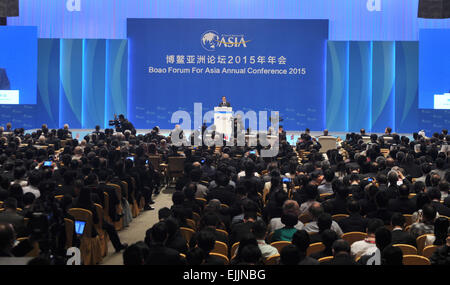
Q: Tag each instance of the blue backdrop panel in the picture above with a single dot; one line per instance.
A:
(406, 86)
(48, 82)
(356, 20)
(337, 85)
(383, 86)
(360, 86)
(116, 78)
(94, 63)
(434, 65)
(71, 81)
(300, 98)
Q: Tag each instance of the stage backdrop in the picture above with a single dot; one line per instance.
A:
(259, 65)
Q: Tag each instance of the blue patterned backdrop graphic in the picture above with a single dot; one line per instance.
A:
(369, 85)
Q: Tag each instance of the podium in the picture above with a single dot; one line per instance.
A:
(223, 120)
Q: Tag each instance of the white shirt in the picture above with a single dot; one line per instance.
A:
(266, 249)
(362, 247)
(32, 189)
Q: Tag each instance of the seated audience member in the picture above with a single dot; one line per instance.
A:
(301, 240)
(290, 207)
(354, 222)
(286, 233)
(328, 237)
(392, 255)
(245, 227)
(311, 196)
(402, 203)
(435, 196)
(316, 210)
(135, 254)
(7, 240)
(159, 253)
(201, 255)
(246, 240)
(209, 222)
(33, 182)
(425, 223)
(382, 212)
(324, 223)
(398, 234)
(290, 255)
(441, 226)
(372, 256)
(326, 186)
(442, 254)
(259, 230)
(339, 203)
(341, 254)
(367, 245)
(10, 216)
(174, 239)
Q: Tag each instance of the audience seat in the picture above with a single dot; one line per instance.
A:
(101, 232)
(429, 250)
(407, 249)
(187, 233)
(70, 228)
(221, 256)
(408, 219)
(415, 260)
(221, 248)
(315, 248)
(90, 246)
(325, 259)
(352, 237)
(234, 249)
(420, 241)
(338, 217)
(272, 260)
(279, 245)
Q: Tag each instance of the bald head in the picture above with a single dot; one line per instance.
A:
(315, 210)
(291, 207)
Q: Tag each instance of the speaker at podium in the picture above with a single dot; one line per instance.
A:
(223, 120)
(434, 9)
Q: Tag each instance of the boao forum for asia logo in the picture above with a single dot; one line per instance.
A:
(211, 41)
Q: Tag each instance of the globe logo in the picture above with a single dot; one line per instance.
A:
(209, 40)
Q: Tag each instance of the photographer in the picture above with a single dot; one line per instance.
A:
(122, 124)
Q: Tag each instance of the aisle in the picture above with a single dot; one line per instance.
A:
(136, 231)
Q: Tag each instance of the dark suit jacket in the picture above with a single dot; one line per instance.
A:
(15, 220)
(4, 81)
(441, 209)
(402, 205)
(341, 259)
(227, 104)
(239, 230)
(339, 205)
(161, 255)
(399, 236)
(223, 194)
(354, 223)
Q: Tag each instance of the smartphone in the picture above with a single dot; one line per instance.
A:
(253, 152)
(202, 161)
(79, 227)
(286, 180)
(369, 179)
(48, 163)
(146, 162)
(130, 158)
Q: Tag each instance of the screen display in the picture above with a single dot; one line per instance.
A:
(18, 65)
(434, 69)
(79, 227)
(47, 163)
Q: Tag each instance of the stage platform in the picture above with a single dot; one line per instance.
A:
(291, 136)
